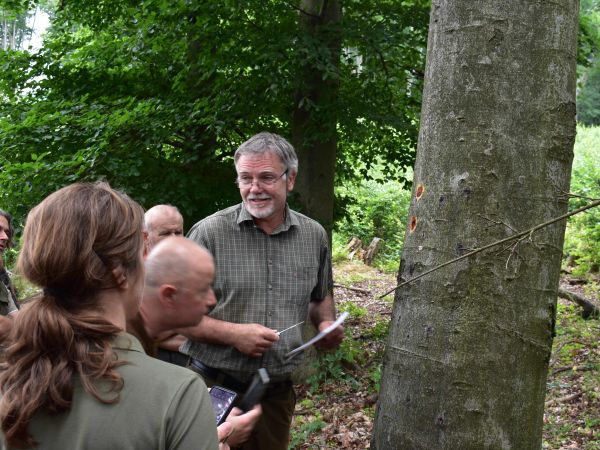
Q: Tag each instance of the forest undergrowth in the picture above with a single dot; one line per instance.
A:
(336, 402)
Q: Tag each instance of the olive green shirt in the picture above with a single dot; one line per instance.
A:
(262, 278)
(161, 407)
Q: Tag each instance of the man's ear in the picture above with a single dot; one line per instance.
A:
(145, 243)
(167, 294)
(290, 180)
(120, 277)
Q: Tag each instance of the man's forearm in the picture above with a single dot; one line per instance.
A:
(320, 311)
(212, 331)
(252, 339)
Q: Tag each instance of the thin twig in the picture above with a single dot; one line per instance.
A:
(497, 222)
(574, 368)
(529, 232)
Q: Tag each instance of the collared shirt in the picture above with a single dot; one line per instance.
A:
(161, 407)
(136, 327)
(262, 278)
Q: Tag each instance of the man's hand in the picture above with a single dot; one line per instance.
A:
(322, 315)
(254, 339)
(333, 339)
(223, 432)
(243, 424)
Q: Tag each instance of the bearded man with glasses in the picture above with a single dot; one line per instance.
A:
(273, 270)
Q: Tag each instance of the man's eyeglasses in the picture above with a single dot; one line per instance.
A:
(265, 179)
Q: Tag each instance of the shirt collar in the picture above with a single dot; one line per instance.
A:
(126, 341)
(289, 221)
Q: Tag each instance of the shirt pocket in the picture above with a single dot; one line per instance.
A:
(303, 272)
(299, 281)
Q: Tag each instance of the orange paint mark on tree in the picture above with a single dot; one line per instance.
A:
(412, 225)
(420, 191)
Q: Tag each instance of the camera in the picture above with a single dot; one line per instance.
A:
(222, 401)
(255, 391)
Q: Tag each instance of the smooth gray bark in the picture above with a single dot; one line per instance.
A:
(469, 345)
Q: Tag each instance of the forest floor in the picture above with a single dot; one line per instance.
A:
(336, 403)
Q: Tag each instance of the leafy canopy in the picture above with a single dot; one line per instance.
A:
(154, 96)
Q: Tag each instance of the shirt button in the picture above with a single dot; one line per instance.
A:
(269, 286)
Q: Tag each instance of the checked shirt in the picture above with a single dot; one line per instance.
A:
(264, 279)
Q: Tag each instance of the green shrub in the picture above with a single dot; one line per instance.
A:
(355, 311)
(582, 239)
(339, 252)
(588, 99)
(378, 210)
(336, 366)
(305, 429)
(376, 377)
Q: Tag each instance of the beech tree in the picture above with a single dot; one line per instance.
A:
(469, 344)
(314, 130)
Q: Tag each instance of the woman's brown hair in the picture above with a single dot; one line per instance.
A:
(72, 243)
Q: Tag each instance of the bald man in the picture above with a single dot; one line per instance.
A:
(177, 294)
(177, 287)
(160, 222)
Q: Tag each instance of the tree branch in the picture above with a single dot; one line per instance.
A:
(530, 231)
(351, 288)
(589, 308)
(565, 399)
(297, 8)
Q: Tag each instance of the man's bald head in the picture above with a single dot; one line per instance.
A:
(162, 221)
(179, 277)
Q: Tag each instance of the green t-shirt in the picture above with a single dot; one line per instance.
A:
(161, 406)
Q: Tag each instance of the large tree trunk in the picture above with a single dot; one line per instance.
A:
(469, 345)
(314, 123)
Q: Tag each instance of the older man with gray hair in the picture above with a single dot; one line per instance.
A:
(273, 270)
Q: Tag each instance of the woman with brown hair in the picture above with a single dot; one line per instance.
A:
(73, 379)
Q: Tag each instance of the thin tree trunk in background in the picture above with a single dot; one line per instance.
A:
(469, 344)
(314, 133)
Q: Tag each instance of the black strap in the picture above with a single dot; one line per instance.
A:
(219, 376)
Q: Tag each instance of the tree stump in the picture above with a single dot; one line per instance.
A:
(371, 251)
(353, 247)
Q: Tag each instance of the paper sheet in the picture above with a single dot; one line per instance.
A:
(319, 336)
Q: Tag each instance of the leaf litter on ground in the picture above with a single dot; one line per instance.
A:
(337, 411)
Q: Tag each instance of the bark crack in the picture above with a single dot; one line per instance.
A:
(417, 355)
(525, 339)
